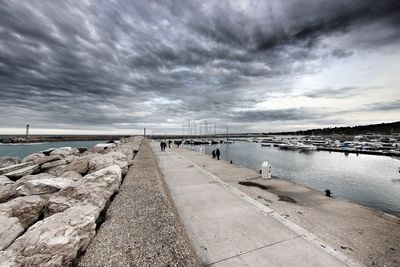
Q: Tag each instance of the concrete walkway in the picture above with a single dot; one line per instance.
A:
(228, 228)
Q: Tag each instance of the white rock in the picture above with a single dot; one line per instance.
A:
(38, 176)
(53, 164)
(99, 148)
(79, 165)
(57, 239)
(65, 151)
(44, 186)
(7, 161)
(72, 175)
(9, 259)
(10, 229)
(33, 157)
(7, 191)
(71, 158)
(46, 159)
(93, 189)
(26, 209)
(5, 181)
(101, 161)
(15, 167)
(22, 172)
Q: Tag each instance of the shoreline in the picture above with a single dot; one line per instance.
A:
(366, 234)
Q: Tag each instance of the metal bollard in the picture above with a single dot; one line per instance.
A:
(328, 193)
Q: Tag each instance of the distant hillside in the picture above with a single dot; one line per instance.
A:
(382, 128)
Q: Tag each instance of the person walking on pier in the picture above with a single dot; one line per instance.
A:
(213, 154)
(217, 153)
(163, 145)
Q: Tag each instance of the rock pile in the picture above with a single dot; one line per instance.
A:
(52, 201)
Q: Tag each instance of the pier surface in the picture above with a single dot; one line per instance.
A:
(367, 235)
(229, 228)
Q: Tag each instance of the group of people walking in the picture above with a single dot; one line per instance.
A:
(163, 144)
(216, 153)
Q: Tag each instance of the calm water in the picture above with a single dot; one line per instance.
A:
(369, 180)
(21, 151)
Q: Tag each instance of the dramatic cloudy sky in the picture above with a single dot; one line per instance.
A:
(94, 66)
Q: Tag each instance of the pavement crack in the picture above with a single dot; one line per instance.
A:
(250, 251)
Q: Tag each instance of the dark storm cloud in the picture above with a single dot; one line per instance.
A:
(116, 64)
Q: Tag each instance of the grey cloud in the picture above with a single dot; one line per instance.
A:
(284, 115)
(339, 93)
(394, 105)
(125, 63)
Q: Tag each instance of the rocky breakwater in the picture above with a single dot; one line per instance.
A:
(52, 202)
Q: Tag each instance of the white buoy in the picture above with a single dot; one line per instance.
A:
(266, 170)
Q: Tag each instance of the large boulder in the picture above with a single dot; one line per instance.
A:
(65, 151)
(94, 189)
(5, 181)
(102, 147)
(14, 175)
(100, 161)
(56, 240)
(15, 167)
(10, 229)
(9, 259)
(46, 159)
(44, 186)
(6, 192)
(8, 161)
(71, 158)
(39, 176)
(53, 164)
(79, 165)
(33, 157)
(72, 175)
(26, 209)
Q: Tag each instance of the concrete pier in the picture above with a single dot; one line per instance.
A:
(370, 236)
(229, 228)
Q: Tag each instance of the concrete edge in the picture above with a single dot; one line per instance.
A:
(292, 226)
(172, 203)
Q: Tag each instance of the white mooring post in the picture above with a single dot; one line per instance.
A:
(266, 170)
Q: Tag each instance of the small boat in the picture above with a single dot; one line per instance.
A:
(306, 148)
(266, 144)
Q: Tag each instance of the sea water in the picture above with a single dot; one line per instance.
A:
(22, 150)
(369, 180)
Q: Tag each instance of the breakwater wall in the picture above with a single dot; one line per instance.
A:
(52, 202)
